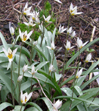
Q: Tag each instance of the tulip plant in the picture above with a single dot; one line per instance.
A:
(32, 66)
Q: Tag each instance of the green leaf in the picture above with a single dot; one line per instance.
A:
(88, 71)
(89, 81)
(78, 90)
(48, 104)
(38, 49)
(18, 108)
(27, 84)
(32, 109)
(35, 105)
(48, 79)
(42, 64)
(67, 80)
(4, 93)
(5, 105)
(6, 80)
(77, 54)
(3, 41)
(68, 92)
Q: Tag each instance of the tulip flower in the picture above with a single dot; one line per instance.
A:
(11, 29)
(51, 68)
(25, 97)
(26, 9)
(80, 43)
(24, 36)
(47, 19)
(25, 67)
(69, 30)
(88, 58)
(33, 71)
(34, 15)
(10, 54)
(20, 78)
(73, 10)
(79, 73)
(52, 46)
(68, 45)
(57, 105)
(73, 34)
(61, 29)
(30, 23)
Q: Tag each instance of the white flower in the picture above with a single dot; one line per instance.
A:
(24, 36)
(73, 11)
(51, 68)
(80, 43)
(88, 58)
(57, 105)
(20, 78)
(95, 74)
(34, 15)
(11, 29)
(25, 97)
(47, 19)
(61, 29)
(37, 20)
(25, 67)
(30, 23)
(34, 43)
(58, 1)
(26, 9)
(69, 30)
(68, 45)
(79, 73)
(33, 71)
(41, 27)
(52, 46)
(10, 54)
(73, 34)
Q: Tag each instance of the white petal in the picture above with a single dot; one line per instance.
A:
(29, 96)
(48, 47)
(58, 1)
(9, 65)
(6, 53)
(30, 33)
(14, 51)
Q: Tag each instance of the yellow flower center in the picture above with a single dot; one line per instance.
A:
(24, 13)
(21, 101)
(25, 99)
(86, 61)
(33, 18)
(68, 49)
(24, 38)
(81, 47)
(10, 56)
(77, 77)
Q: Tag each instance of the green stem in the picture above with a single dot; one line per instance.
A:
(21, 107)
(12, 83)
(31, 53)
(74, 81)
(31, 83)
(19, 71)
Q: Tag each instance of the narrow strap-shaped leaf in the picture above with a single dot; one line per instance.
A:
(3, 41)
(76, 55)
(35, 105)
(4, 105)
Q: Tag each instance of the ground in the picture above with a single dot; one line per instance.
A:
(82, 24)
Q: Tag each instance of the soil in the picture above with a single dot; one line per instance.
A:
(82, 24)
